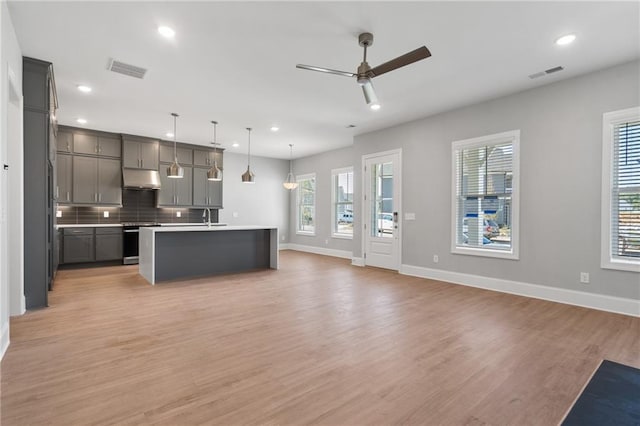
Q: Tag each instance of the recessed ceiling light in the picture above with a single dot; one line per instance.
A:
(84, 89)
(81, 121)
(166, 32)
(235, 144)
(275, 128)
(169, 134)
(566, 39)
(375, 107)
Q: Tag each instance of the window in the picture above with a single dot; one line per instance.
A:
(306, 204)
(342, 206)
(485, 197)
(621, 190)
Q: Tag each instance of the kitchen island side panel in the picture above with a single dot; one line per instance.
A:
(195, 254)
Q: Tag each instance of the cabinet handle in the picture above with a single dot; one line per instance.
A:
(96, 149)
(68, 197)
(99, 197)
(68, 147)
(141, 163)
(57, 192)
(95, 197)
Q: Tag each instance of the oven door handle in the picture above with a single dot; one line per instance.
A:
(131, 230)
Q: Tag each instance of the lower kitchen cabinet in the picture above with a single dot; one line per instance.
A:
(78, 245)
(108, 244)
(84, 245)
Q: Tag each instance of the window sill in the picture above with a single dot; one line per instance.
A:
(306, 233)
(343, 236)
(498, 254)
(621, 265)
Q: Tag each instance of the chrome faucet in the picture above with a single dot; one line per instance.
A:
(207, 213)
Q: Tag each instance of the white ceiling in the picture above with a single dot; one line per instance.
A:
(234, 62)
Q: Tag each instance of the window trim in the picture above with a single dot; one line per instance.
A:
(609, 120)
(300, 178)
(334, 175)
(512, 136)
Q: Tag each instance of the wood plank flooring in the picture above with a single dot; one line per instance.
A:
(316, 342)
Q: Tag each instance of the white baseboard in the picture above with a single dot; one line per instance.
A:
(283, 246)
(357, 261)
(600, 302)
(19, 310)
(4, 339)
(344, 254)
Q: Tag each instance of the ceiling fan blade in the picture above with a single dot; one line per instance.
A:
(399, 62)
(325, 70)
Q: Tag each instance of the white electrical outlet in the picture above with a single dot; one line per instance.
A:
(435, 258)
(584, 277)
(235, 214)
(178, 214)
(409, 216)
(326, 241)
(283, 238)
(59, 213)
(105, 214)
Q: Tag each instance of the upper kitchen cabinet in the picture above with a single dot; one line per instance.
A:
(97, 181)
(206, 158)
(94, 144)
(175, 192)
(206, 193)
(185, 155)
(64, 175)
(138, 154)
(64, 141)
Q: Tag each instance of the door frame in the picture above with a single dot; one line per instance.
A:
(398, 196)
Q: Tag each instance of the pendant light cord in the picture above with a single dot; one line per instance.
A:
(215, 145)
(290, 159)
(175, 151)
(249, 151)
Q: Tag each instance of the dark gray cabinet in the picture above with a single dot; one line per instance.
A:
(108, 244)
(64, 178)
(64, 141)
(140, 155)
(206, 158)
(185, 155)
(39, 187)
(206, 193)
(96, 181)
(90, 144)
(82, 245)
(175, 192)
(78, 245)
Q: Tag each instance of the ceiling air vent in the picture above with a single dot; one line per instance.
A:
(546, 72)
(126, 69)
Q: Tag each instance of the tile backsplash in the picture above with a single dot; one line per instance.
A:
(137, 206)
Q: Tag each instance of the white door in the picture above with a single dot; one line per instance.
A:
(382, 209)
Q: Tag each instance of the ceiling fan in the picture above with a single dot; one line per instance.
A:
(365, 73)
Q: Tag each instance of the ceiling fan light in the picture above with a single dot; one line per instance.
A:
(370, 95)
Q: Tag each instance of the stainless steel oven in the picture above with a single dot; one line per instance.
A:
(130, 241)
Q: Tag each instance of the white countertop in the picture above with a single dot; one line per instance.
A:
(95, 225)
(201, 228)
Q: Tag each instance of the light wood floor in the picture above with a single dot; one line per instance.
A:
(318, 341)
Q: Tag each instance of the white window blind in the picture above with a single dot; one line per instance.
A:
(306, 204)
(484, 205)
(625, 193)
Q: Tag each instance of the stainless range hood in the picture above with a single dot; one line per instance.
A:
(140, 179)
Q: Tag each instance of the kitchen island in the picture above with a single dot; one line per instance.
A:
(171, 253)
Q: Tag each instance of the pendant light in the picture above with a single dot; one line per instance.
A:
(290, 183)
(214, 173)
(248, 176)
(175, 170)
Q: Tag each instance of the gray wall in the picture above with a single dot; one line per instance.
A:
(560, 182)
(560, 171)
(321, 165)
(263, 203)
